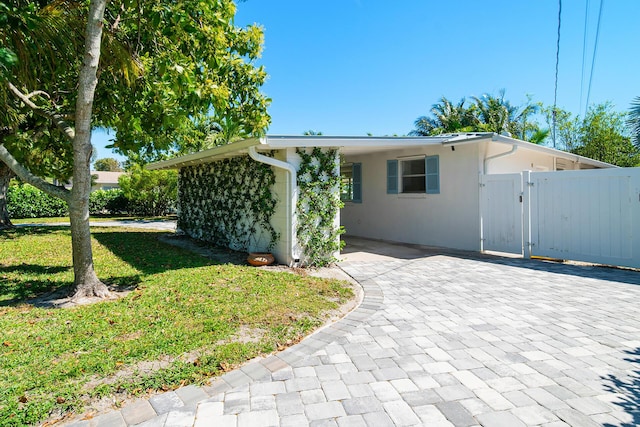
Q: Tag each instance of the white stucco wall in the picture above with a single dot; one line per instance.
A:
(279, 219)
(449, 219)
(523, 160)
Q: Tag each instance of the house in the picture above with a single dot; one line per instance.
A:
(105, 180)
(282, 193)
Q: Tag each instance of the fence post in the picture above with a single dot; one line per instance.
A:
(527, 185)
(481, 204)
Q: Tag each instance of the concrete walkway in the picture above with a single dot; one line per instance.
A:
(440, 339)
(168, 225)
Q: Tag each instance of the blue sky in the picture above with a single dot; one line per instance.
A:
(352, 67)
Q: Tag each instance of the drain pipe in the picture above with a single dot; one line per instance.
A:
(291, 201)
(514, 148)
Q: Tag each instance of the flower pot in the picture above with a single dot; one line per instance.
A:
(257, 259)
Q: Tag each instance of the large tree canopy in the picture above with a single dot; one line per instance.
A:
(165, 67)
(108, 164)
(603, 137)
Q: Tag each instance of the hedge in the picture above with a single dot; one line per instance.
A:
(26, 201)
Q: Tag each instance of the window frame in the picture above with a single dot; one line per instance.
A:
(405, 161)
(395, 175)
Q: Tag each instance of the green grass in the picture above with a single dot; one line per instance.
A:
(197, 316)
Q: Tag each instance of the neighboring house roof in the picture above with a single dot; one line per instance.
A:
(359, 145)
(106, 178)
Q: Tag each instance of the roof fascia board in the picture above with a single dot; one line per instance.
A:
(200, 156)
(558, 153)
(468, 138)
(274, 142)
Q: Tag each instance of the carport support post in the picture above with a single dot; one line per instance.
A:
(526, 213)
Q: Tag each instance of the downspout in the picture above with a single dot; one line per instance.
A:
(291, 201)
(514, 148)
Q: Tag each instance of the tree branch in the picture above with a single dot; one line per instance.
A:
(58, 119)
(32, 179)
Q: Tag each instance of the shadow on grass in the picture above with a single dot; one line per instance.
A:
(32, 230)
(145, 252)
(31, 283)
(16, 291)
(628, 388)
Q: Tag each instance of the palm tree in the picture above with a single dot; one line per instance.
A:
(495, 114)
(634, 121)
(446, 117)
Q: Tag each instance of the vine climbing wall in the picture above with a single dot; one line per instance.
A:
(319, 204)
(229, 203)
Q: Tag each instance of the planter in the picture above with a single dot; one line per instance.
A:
(258, 259)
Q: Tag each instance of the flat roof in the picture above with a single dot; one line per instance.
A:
(356, 145)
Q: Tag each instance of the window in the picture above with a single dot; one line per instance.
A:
(351, 183)
(415, 176)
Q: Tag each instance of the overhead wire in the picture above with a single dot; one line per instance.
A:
(593, 59)
(555, 92)
(584, 52)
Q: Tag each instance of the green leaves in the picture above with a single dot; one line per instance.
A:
(229, 203)
(318, 205)
(197, 64)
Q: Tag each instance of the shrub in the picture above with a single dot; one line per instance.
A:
(26, 201)
(150, 193)
(107, 202)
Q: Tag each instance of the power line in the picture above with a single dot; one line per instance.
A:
(584, 52)
(555, 92)
(593, 59)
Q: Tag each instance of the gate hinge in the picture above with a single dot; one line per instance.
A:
(530, 183)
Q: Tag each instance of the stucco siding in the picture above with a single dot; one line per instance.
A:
(279, 220)
(523, 160)
(448, 219)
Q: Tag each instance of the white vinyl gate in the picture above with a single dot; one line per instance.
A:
(587, 215)
(501, 222)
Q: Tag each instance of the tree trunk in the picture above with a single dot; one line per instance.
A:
(5, 176)
(85, 279)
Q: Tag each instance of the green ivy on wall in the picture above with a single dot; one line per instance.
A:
(229, 203)
(318, 204)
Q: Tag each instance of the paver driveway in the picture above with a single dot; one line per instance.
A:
(443, 340)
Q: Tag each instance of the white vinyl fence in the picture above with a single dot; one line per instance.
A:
(587, 215)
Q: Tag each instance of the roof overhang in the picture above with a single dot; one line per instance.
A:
(224, 151)
(352, 145)
(538, 148)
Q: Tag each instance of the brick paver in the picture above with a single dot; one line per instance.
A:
(442, 340)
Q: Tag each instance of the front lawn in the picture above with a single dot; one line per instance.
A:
(184, 320)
